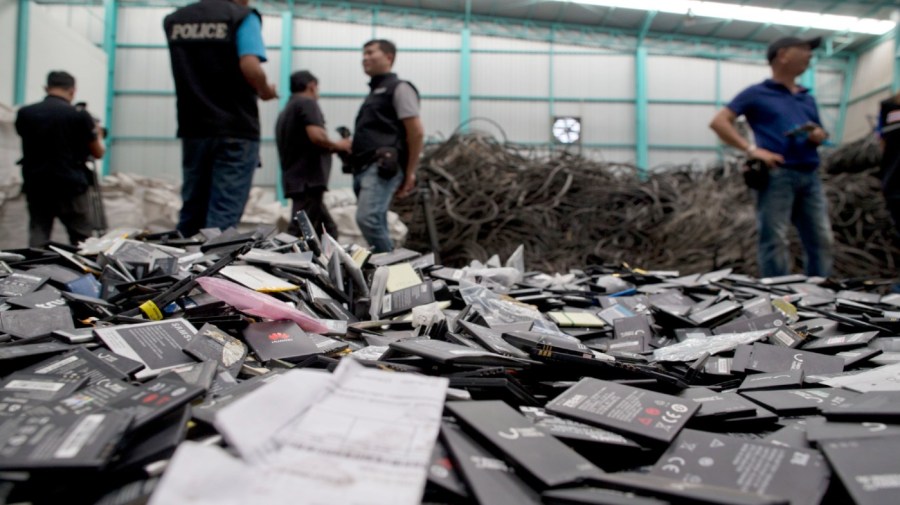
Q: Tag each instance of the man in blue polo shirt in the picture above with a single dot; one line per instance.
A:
(216, 49)
(788, 131)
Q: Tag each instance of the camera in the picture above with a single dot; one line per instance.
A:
(82, 107)
(346, 166)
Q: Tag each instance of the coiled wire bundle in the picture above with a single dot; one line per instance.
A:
(490, 196)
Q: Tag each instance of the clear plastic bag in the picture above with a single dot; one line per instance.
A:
(693, 348)
(492, 307)
(496, 276)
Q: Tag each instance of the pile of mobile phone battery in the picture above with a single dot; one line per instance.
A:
(605, 384)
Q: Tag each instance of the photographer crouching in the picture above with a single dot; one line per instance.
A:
(57, 140)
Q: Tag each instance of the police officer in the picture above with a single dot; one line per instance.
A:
(57, 140)
(889, 129)
(387, 143)
(216, 49)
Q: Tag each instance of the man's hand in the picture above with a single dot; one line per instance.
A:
(415, 140)
(256, 78)
(268, 92)
(771, 159)
(409, 183)
(343, 145)
(817, 135)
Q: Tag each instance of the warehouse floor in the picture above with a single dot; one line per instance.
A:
(14, 225)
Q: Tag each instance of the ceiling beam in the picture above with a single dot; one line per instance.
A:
(609, 11)
(832, 6)
(645, 27)
(445, 16)
(722, 25)
(559, 14)
(759, 30)
(873, 10)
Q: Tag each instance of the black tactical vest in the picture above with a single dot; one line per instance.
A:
(377, 124)
(214, 99)
(890, 160)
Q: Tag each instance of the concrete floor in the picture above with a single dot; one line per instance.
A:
(14, 225)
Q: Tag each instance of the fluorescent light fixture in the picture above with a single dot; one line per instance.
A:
(786, 17)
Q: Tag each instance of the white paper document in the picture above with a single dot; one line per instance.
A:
(374, 415)
(203, 475)
(310, 478)
(357, 436)
(883, 378)
(250, 423)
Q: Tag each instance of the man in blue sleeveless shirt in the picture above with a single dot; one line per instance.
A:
(889, 131)
(217, 49)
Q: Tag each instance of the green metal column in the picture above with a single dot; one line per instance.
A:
(284, 81)
(895, 85)
(465, 72)
(287, 58)
(111, 23)
(551, 99)
(642, 153)
(720, 149)
(849, 74)
(22, 25)
(641, 137)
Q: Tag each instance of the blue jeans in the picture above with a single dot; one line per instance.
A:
(373, 198)
(217, 173)
(797, 197)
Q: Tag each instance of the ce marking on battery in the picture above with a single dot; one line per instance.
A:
(671, 418)
(674, 465)
(688, 447)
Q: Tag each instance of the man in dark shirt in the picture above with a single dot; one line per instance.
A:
(788, 132)
(57, 140)
(216, 49)
(889, 130)
(305, 153)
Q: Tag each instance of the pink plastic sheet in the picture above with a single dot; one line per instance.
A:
(258, 304)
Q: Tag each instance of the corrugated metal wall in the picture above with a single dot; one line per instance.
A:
(9, 12)
(84, 19)
(874, 71)
(53, 45)
(518, 84)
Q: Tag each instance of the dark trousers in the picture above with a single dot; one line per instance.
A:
(217, 173)
(798, 198)
(73, 211)
(373, 199)
(310, 200)
(893, 207)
